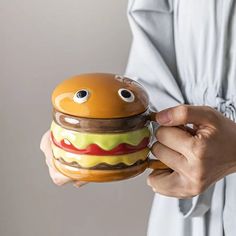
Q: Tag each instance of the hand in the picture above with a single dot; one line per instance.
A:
(198, 156)
(58, 178)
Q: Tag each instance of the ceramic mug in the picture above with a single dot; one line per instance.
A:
(101, 128)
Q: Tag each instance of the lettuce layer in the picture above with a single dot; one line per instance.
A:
(106, 141)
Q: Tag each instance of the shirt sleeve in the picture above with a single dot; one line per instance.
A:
(152, 63)
(152, 55)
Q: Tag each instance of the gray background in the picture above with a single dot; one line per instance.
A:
(41, 43)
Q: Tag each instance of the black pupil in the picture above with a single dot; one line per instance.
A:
(82, 94)
(125, 94)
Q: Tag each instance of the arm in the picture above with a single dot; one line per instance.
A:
(152, 58)
(152, 63)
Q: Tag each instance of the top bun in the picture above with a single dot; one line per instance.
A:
(100, 95)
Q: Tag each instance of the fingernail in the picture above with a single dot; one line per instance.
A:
(163, 117)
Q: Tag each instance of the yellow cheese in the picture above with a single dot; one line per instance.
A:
(88, 161)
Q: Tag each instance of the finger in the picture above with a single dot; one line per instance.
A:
(195, 127)
(176, 139)
(166, 183)
(186, 114)
(49, 157)
(58, 178)
(45, 141)
(155, 173)
(171, 158)
(190, 129)
(46, 147)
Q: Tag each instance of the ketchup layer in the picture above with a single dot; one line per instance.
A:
(94, 149)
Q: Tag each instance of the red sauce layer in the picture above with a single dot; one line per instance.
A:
(94, 149)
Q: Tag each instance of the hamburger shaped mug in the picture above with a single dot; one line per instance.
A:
(100, 130)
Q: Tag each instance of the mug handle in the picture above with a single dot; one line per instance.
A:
(157, 165)
(153, 163)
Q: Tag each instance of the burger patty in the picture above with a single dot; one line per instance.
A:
(100, 166)
(116, 125)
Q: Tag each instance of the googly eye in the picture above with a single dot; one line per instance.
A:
(126, 95)
(81, 96)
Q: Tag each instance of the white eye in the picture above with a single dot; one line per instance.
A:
(81, 96)
(126, 95)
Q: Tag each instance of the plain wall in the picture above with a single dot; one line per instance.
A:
(41, 43)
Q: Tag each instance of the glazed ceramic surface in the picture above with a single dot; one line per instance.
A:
(103, 98)
(100, 130)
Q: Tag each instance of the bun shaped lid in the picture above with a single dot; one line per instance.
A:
(100, 95)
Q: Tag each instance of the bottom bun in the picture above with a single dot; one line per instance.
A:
(100, 175)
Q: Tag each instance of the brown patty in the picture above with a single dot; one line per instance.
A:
(100, 166)
(102, 125)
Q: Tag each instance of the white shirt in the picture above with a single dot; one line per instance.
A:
(184, 51)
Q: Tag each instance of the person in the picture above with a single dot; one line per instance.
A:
(184, 53)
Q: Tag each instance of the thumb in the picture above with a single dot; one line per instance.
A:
(186, 114)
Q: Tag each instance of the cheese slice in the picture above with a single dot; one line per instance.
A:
(88, 161)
